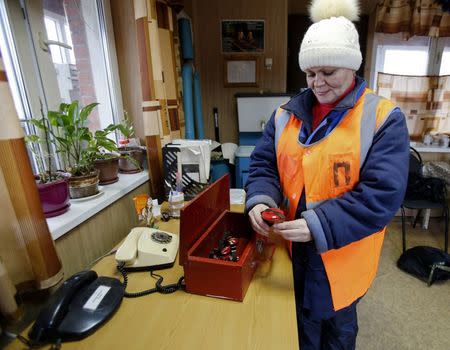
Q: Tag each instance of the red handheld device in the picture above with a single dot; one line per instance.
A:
(273, 216)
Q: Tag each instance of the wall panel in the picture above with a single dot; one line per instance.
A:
(209, 59)
(79, 247)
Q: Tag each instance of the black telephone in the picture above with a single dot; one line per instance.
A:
(77, 308)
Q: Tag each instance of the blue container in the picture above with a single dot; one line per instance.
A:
(187, 49)
(219, 168)
(242, 161)
(200, 132)
(187, 76)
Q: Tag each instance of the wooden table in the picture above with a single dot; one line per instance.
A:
(264, 320)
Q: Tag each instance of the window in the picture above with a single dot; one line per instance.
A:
(415, 56)
(412, 61)
(395, 55)
(63, 50)
(444, 48)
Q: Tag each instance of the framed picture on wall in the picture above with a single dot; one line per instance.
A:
(240, 71)
(242, 36)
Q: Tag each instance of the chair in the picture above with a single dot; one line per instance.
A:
(423, 193)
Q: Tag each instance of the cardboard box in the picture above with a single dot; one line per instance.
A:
(203, 222)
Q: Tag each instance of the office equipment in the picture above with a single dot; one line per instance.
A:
(146, 247)
(77, 308)
(172, 322)
(203, 222)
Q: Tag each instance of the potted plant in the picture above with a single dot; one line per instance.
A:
(132, 156)
(52, 185)
(107, 157)
(72, 138)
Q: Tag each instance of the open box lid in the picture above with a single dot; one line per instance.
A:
(197, 216)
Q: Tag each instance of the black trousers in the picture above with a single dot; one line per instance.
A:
(337, 332)
(324, 329)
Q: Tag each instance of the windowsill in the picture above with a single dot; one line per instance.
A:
(420, 147)
(81, 210)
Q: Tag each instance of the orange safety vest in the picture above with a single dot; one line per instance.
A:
(327, 169)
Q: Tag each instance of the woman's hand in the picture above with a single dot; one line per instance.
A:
(258, 224)
(295, 230)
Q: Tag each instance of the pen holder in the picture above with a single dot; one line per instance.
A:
(176, 202)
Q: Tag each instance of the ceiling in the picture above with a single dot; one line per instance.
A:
(301, 6)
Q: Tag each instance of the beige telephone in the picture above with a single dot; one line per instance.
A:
(148, 247)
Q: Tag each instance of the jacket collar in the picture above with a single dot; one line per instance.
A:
(301, 104)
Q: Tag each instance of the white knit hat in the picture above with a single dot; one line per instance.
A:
(332, 41)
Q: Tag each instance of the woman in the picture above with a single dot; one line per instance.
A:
(335, 159)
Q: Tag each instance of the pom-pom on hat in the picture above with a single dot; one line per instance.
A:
(332, 41)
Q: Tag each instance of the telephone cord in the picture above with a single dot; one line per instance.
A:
(171, 288)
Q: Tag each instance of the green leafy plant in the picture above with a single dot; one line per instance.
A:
(40, 147)
(101, 146)
(72, 136)
(126, 128)
(77, 146)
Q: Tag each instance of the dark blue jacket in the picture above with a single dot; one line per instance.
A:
(346, 219)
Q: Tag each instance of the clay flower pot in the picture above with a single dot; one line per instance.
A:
(108, 170)
(55, 196)
(128, 166)
(83, 186)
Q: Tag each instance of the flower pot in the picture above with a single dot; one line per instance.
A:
(128, 166)
(54, 197)
(108, 170)
(83, 186)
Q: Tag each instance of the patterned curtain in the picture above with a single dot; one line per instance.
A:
(412, 17)
(425, 101)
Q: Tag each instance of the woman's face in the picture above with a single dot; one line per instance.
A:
(329, 83)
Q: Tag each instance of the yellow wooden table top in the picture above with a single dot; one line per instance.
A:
(264, 320)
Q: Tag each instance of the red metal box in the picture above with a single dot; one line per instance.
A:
(203, 223)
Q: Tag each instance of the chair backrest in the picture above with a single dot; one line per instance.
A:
(415, 162)
(423, 188)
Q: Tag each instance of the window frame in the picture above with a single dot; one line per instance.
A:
(383, 42)
(33, 83)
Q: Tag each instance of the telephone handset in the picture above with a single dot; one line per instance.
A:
(77, 308)
(146, 247)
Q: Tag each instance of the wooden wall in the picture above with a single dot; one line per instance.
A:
(79, 247)
(209, 62)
